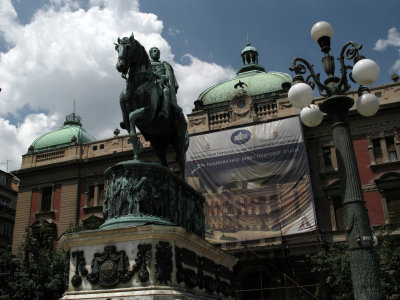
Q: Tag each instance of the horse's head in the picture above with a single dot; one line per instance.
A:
(125, 49)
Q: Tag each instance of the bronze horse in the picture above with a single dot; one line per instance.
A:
(141, 102)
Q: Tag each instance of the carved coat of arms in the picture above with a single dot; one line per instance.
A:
(110, 267)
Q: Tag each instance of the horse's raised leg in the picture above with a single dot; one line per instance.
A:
(147, 94)
(137, 145)
(125, 108)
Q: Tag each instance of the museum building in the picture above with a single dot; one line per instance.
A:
(8, 202)
(271, 184)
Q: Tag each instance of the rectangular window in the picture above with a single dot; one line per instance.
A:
(339, 216)
(327, 158)
(46, 199)
(101, 194)
(384, 149)
(101, 146)
(90, 199)
(377, 148)
(391, 148)
(3, 181)
(94, 148)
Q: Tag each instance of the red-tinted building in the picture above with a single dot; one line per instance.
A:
(62, 176)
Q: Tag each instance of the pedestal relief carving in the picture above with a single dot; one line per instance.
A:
(110, 268)
(164, 263)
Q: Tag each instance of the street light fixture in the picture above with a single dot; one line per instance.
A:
(363, 263)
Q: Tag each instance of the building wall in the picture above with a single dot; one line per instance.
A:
(35, 205)
(73, 172)
(67, 207)
(380, 180)
(325, 181)
(22, 217)
(70, 176)
(8, 199)
(76, 175)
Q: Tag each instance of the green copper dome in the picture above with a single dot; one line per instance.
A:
(256, 80)
(70, 132)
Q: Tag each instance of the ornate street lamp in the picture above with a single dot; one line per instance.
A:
(363, 263)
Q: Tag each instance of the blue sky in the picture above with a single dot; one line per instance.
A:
(216, 30)
(53, 52)
(280, 30)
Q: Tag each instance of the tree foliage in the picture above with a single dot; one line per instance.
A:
(37, 272)
(389, 260)
(332, 265)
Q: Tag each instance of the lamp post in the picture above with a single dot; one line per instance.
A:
(363, 263)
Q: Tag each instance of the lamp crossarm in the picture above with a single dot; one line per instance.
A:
(349, 54)
(300, 66)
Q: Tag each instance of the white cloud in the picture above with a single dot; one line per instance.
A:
(66, 53)
(196, 77)
(173, 31)
(393, 39)
(8, 20)
(17, 138)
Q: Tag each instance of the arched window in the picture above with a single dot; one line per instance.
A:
(393, 204)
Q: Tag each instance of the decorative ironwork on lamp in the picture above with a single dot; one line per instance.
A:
(364, 72)
(363, 263)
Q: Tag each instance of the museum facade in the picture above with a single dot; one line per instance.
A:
(271, 184)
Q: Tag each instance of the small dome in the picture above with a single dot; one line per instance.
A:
(70, 132)
(248, 48)
(250, 59)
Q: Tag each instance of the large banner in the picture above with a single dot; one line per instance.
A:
(255, 179)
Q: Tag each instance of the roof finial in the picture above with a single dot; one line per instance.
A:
(73, 119)
(248, 42)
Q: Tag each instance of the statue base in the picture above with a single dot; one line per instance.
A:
(146, 262)
(140, 193)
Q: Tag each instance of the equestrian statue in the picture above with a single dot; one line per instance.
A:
(149, 101)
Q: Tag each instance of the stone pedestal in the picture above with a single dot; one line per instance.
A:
(146, 262)
(151, 245)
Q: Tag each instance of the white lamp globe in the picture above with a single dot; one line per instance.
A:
(321, 29)
(311, 116)
(300, 95)
(365, 71)
(367, 104)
